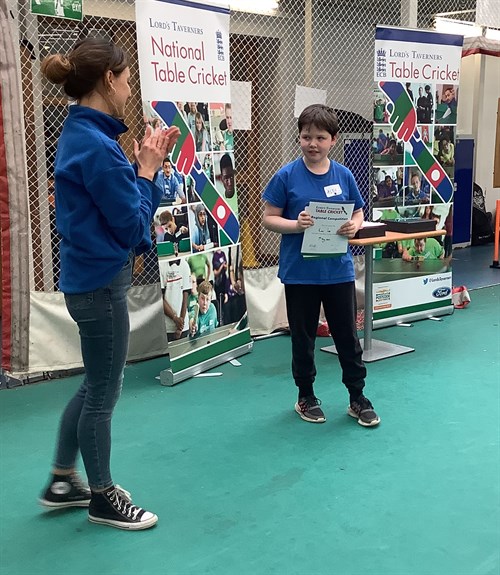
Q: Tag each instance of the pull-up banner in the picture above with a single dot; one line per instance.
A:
(183, 50)
(415, 115)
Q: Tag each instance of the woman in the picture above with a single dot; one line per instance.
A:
(104, 207)
(201, 134)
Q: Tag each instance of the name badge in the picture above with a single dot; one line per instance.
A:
(333, 190)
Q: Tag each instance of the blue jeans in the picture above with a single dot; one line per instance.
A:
(103, 322)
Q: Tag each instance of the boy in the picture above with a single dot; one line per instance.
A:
(386, 189)
(175, 280)
(173, 232)
(172, 189)
(227, 176)
(204, 319)
(191, 116)
(424, 249)
(228, 132)
(312, 282)
(414, 193)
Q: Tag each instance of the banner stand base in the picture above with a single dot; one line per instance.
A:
(379, 350)
(169, 378)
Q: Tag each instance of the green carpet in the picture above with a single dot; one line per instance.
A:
(243, 486)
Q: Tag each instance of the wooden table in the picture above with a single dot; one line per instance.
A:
(373, 349)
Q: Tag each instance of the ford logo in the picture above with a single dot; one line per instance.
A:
(441, 292)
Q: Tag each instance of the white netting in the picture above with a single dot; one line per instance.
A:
(327, 45)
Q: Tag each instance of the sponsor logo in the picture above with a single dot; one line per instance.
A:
(382, 298)
(441, 292)
(60, 488)
(434, 279)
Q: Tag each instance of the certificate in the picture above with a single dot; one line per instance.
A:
(321, 240)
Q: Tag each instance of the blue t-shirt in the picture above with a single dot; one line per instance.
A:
(291, 189)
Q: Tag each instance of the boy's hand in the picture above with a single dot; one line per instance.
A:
(348, 229)
(304, 221)
(193, 327)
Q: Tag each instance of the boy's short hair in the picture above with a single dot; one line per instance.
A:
(166, 217)
(226, 162)
(321, 117)
(205, 287)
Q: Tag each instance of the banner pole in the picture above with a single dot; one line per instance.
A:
(495, 263)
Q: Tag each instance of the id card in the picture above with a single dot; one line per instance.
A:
(333, 190)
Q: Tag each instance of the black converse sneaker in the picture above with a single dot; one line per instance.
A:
(362, 410)
(114, 507)
(66, 491)
(309, 409)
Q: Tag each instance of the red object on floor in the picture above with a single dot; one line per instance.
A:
(323, 330)
(460, 297)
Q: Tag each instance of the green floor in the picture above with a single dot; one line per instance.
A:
(242, 486)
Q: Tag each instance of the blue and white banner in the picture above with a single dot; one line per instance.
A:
(183, 50)
(415, 114)
(416, 56)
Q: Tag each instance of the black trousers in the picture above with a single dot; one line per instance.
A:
(303, 304)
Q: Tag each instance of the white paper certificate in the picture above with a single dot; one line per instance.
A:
(321, 240)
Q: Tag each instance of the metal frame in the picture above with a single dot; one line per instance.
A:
(169, 378)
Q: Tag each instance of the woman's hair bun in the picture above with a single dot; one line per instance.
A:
(56, 68)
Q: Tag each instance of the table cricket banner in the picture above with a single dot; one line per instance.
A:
(183, 50)
(415, 116)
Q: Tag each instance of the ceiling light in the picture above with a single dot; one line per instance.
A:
(255, 6)
(492, 34)
(449, 26)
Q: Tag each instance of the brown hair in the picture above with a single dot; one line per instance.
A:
(321, 117)
(166, 217)
(198, 116)
(87, 62)
(205, 287)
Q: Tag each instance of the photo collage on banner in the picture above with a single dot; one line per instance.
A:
(414, 113)
(186, 56)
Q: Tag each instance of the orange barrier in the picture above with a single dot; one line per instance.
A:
(495, 263)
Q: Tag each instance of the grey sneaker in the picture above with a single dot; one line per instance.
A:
(66, 491)
(309, 409)
(362, 410)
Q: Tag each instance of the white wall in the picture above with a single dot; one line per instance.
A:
(486, 129)
(469, 87)
(477, 112)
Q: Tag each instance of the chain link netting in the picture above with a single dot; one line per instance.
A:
(322, 44)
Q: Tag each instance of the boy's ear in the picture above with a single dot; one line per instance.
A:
(334, 141)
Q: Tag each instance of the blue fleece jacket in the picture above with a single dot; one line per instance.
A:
(103, 210)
